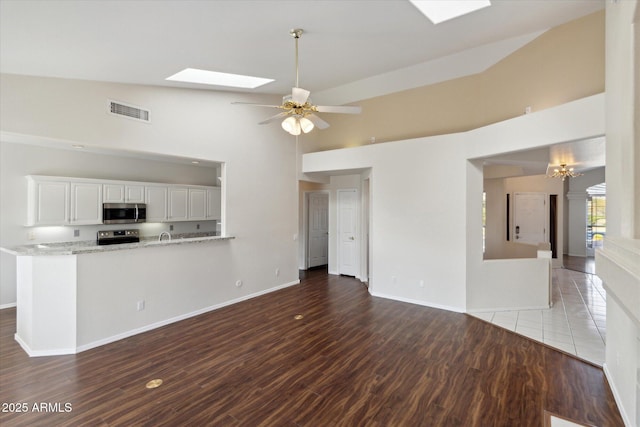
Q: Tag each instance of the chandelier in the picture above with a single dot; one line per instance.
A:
(564, 172)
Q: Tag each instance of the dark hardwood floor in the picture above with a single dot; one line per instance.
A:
(352, 360)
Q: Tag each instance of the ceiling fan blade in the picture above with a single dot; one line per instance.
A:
(317, 121)
(299, 95)
(273, 118)
(257, 105)
(339, 109)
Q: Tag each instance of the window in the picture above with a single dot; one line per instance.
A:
(596, 220)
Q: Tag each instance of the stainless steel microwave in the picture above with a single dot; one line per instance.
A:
(123, 213)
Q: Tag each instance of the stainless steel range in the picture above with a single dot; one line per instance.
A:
(114, 237)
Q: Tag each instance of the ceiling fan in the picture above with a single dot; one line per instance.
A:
(298, 111)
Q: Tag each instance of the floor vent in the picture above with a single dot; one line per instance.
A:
(129, 111)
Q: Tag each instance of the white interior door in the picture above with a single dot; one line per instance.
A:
(347, 232)
(318, 229)
(529, 217)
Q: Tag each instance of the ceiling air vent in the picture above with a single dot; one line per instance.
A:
(129, 111)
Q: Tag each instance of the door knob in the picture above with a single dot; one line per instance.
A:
(352, 238)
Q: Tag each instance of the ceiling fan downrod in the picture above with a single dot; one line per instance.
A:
(296, 33)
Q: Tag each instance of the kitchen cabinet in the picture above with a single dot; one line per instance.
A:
(48, 202)
(56, 201)
(123, 193)
(178, 204)
(86, 203)
(214, 203)
(197, 204)
(65, 200)
(155, 198)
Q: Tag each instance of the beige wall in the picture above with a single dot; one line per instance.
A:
(564, 64)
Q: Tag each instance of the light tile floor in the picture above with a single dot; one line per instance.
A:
(575, 324)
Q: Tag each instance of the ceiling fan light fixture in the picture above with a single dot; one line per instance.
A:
(291, 125)
(306, 125)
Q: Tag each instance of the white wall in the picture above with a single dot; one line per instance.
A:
(619, 260)
(426, 200)
(261, 196)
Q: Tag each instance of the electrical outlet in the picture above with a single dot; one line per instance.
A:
(197, 226)
(76, 233)
(421, 283)
(140, 305)
(277, 272)
(31, 235)
(171, 227)
(238, 283)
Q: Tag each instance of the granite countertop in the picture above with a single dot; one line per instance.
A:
(90, 246)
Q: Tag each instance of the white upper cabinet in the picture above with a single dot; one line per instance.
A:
(178, 204)
(123, 193)
(155, 198)
(197, 204)
(63, 200)
(214, 203)
(86, 203)
(47, 202)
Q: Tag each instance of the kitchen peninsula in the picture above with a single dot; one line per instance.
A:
(75, 296)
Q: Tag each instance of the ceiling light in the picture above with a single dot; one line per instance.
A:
(443, 10)
(297, 124)
(193, 75)
(564, 172)
(291, 125)
(306, 125)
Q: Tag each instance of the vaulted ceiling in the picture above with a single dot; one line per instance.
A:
(346, 43)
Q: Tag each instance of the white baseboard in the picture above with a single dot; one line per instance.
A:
(418, 302)
(149, 327)
(10, 305)
(38, 353)
(490, 310)
(616, 396)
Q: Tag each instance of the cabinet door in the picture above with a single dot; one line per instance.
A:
(48, 203)
(134, 194)
(156, 200)
(86, 203)
(214, 203)
(113, 193)
(197, 203)
(178, 204)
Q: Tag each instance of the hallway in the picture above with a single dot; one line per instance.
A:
(576, 324)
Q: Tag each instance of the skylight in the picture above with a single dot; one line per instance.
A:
(193, 75)
(443, 10)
